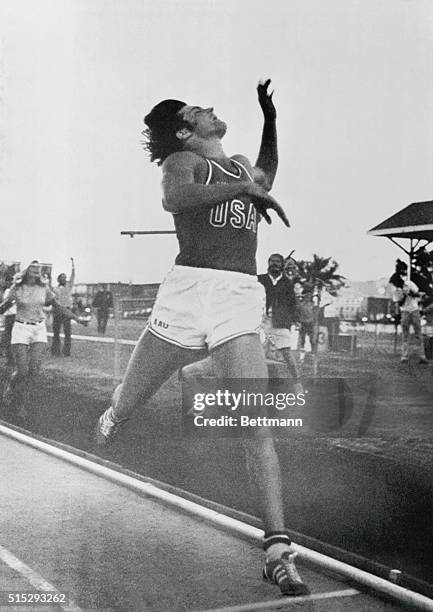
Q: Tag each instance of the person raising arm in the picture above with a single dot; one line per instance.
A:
(29, 333)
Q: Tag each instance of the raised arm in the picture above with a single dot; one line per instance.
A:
(72, 277)
(267, 160)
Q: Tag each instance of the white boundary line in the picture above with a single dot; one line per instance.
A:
(98, 339)
(398, 593)
(283, 604)
(34, 579)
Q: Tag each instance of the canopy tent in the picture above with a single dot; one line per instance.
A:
(415, 223)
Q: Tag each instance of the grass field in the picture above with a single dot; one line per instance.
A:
(365, 487)
(400, 427)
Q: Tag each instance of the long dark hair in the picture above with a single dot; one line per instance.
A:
(25, 276)
(162, 123)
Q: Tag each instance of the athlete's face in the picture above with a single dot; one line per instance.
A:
(203, 122)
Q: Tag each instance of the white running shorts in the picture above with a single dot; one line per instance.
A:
(25, 333)
(199, 308)
(279, 337)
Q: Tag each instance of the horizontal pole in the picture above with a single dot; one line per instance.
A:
(132, 233)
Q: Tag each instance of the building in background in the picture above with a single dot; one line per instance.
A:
(133, 301)
(363, 301)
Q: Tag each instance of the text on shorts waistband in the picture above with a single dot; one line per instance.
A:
(207, 273)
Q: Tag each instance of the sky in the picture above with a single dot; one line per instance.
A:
(353, 87)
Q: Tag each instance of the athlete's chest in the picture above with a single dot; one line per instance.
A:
(237, 213)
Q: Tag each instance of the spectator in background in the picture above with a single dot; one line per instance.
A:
(427, 311)
(103, 301)
(280, 310)
(307, 308)
(396, 282)
(291, 268)
(9, 323)
(29, 333)
(63, 294)
(406, 293)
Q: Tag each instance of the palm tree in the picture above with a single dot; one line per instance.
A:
(319, 274)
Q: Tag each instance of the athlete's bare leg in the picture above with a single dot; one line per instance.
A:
(239, 358)
(152, 362)
(204, 367)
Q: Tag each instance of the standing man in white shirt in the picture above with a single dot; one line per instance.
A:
(63, 293)
(281, 314)
(409, 295)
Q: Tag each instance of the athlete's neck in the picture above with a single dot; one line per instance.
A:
(207, 148)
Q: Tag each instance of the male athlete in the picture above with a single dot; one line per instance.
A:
(211, 298)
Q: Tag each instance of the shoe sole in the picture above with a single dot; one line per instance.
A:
(295, 592)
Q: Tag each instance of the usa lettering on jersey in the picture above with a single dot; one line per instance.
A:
(236, 213)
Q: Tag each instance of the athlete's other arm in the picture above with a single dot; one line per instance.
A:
(267, 161)
(184, 175)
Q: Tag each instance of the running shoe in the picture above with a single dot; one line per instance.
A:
(107, 427)
(283, 573)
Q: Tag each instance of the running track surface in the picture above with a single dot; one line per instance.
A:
(114, 550)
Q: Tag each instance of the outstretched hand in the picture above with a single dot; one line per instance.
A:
(265, 99)
(264, 202)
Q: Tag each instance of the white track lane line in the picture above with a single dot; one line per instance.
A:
(104, 340)
(283, 604)
(34, 579)
(404, 596)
